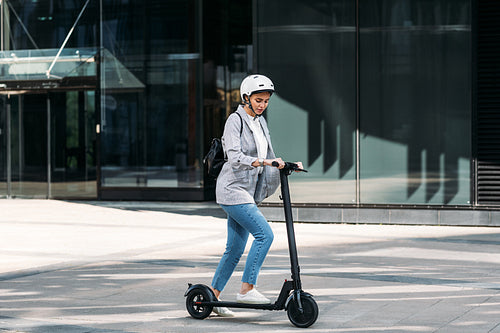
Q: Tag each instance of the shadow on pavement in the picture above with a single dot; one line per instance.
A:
(185, 208)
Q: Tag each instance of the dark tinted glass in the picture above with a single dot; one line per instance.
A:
(46, 24)
(149, 130)
(415, 100)
(308, 49)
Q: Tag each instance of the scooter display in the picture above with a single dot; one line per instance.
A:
(300, 306)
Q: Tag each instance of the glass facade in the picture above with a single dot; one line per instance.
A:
(374, 96)
(312, 117)
(397, 71)
(137, 63)
(149, 133)
(48, 145)
(228, 57)
(415, 101)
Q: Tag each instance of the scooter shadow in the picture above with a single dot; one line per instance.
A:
(262, 319)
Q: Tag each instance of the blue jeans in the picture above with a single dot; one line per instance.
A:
(242, 220)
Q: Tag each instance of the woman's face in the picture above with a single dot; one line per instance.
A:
(259, 101)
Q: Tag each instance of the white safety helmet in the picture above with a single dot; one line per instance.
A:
(255, 83)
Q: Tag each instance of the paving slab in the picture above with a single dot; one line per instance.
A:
(124, 267)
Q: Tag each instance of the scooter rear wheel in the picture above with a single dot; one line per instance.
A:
(308, 316)
(196, 310)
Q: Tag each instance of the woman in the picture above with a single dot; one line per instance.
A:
(245, 181)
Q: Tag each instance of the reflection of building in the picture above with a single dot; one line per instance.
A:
(392, 105)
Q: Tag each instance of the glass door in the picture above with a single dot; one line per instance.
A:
(73, 144)
(28, 145)
(49, 142)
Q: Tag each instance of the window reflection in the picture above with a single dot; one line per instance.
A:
(415, 101)
(149, 135)
(414, 97)
(312, 116)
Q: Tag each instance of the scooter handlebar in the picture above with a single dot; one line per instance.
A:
(289, 166)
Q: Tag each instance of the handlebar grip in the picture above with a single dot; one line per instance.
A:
(289, 166)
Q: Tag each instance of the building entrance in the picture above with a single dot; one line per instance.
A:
(48, 145)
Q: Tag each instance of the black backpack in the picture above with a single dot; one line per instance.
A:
(214, 159)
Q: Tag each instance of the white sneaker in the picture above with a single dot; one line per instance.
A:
(223, 312)
(252, 297)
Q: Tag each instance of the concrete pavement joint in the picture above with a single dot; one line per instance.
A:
(407, 280)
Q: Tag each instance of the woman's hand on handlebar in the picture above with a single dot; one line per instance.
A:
(300, 166)
(273, 162)
(297, 166)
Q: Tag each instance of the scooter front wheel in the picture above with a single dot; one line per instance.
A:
(307, 316)
(193, 306)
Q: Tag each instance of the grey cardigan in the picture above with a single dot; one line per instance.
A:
(239, 182)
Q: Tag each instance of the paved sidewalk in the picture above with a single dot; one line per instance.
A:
(124, 267)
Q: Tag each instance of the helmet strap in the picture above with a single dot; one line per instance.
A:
(249, 104)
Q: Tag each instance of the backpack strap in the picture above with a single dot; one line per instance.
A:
(241, 120)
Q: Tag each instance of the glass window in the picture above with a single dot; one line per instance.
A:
(227, 59)
(73, 141)
(308, 49)
(28, 129)
(149, 131)
(51, 135)
(415, 101)
(45, 24)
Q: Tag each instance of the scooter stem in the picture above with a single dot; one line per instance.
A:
(292, 246)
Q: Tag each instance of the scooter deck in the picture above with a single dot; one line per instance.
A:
(272, 306)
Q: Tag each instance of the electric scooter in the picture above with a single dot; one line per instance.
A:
(301, 308)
